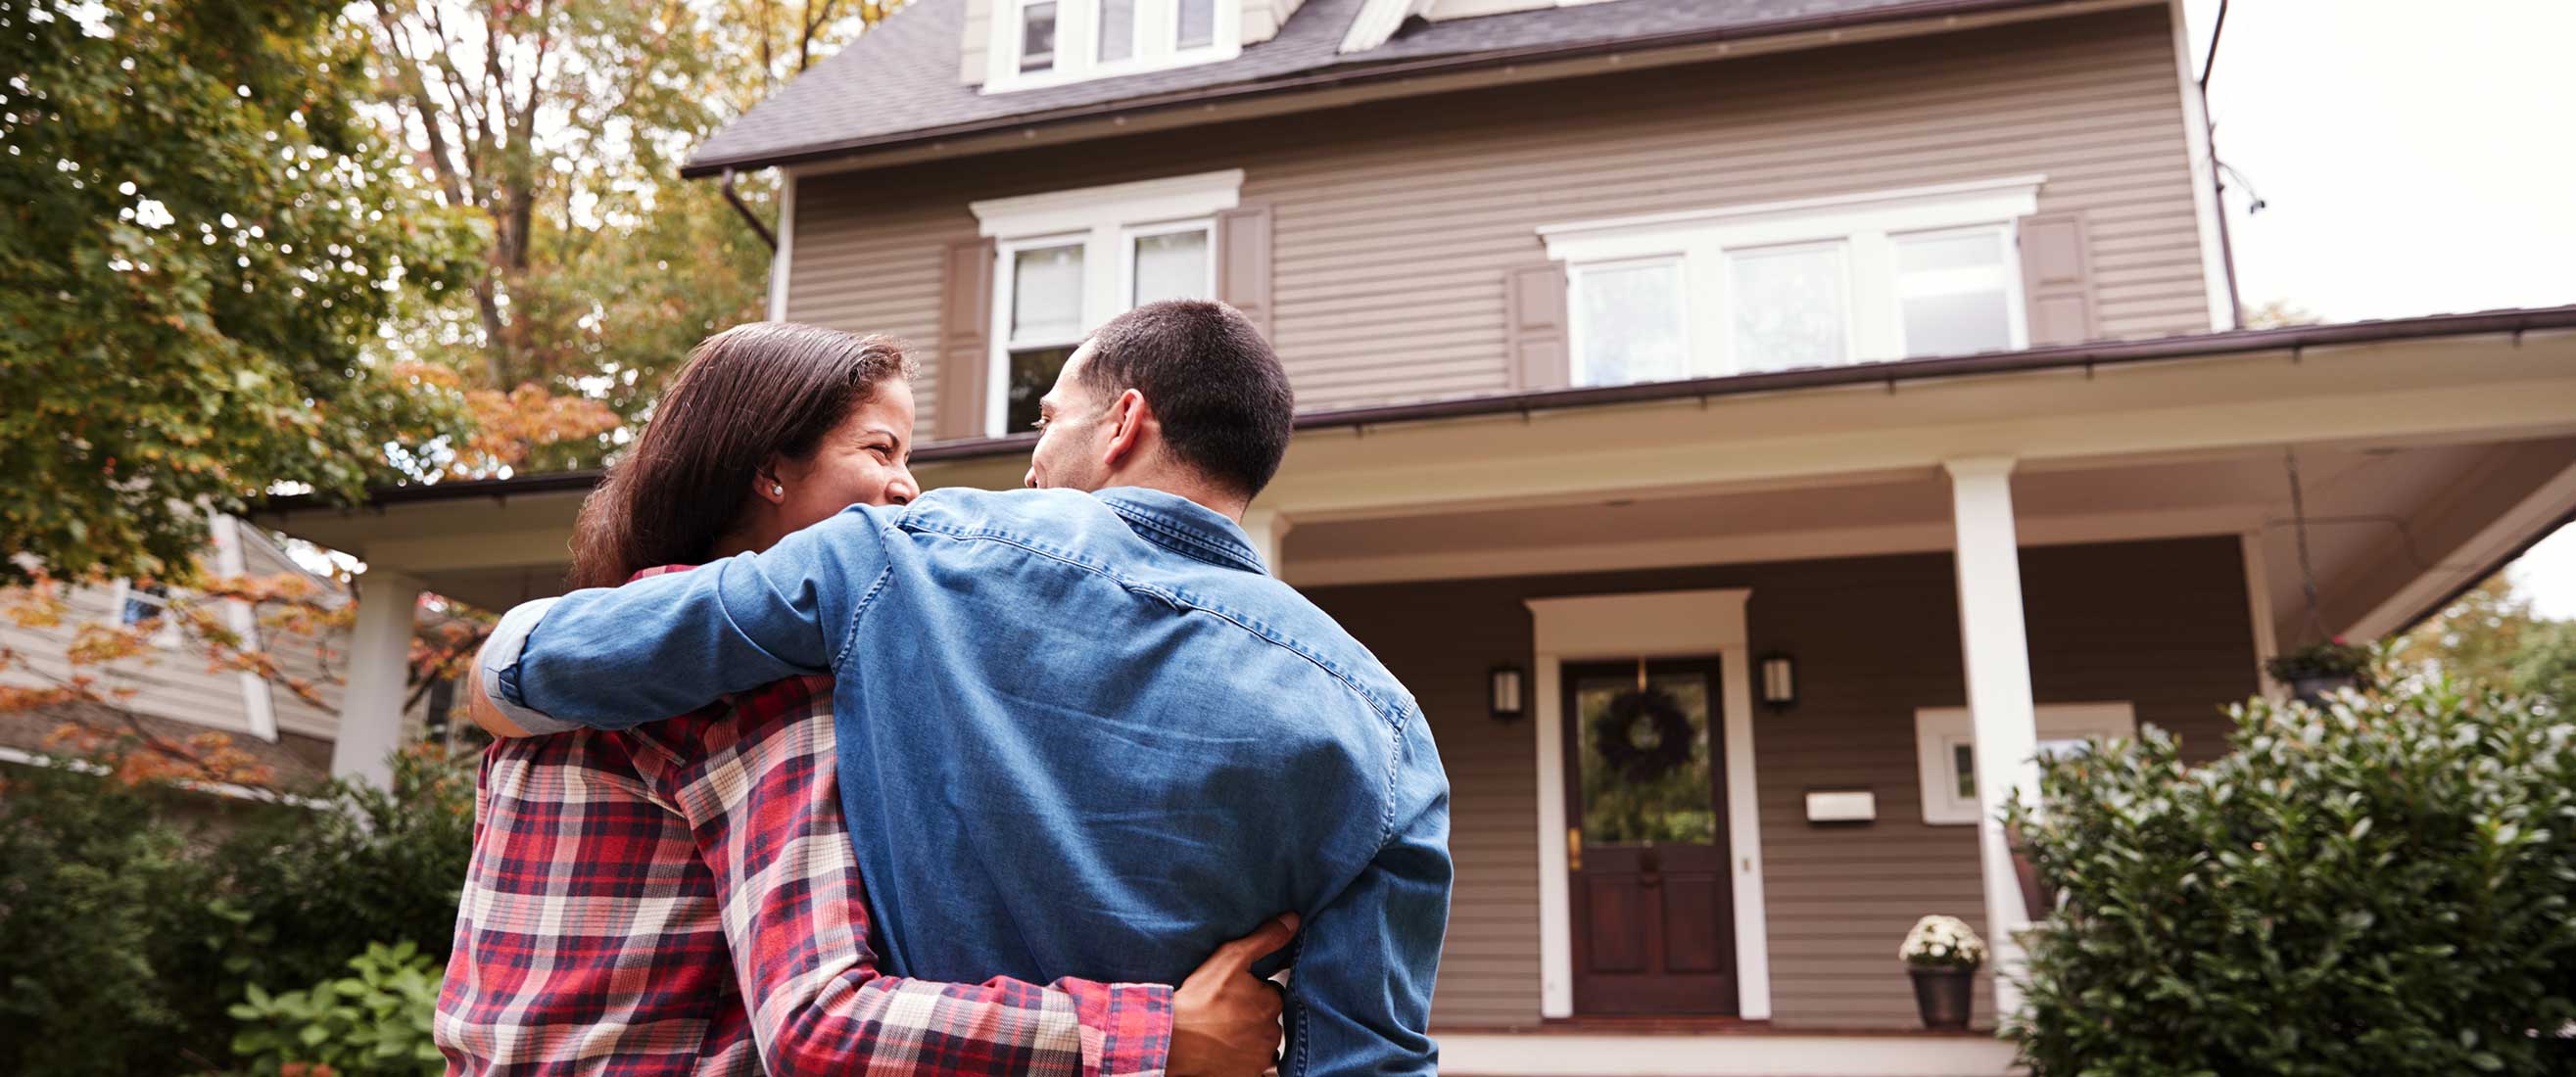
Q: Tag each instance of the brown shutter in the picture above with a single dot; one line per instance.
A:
(2056, 270)
(1243, 262)
(1536, 342)
(965, 337)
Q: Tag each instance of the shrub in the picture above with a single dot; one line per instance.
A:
(2380, 886)
(374, 1023)
(125, 933)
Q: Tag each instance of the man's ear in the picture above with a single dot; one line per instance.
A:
(1129, 417)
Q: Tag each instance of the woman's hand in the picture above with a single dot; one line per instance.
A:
(1225, 1020)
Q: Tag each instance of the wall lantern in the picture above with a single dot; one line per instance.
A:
(1779, 681)
(1505, 694)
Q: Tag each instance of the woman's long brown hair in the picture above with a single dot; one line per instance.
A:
(749, 393)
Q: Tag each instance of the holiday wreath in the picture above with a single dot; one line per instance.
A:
(1617, 737)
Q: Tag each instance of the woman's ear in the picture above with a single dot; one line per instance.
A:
(765, 483)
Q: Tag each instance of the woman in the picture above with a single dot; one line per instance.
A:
(682, 897)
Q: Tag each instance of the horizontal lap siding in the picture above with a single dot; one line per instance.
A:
(1395, 222)
(2164, 625)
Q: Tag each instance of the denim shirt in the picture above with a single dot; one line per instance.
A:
(1080, 735)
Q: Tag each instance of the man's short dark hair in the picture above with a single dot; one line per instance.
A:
(1222, 397)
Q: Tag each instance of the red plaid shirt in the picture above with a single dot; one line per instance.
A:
(681, 898)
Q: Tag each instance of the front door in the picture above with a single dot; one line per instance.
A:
(1645, 801)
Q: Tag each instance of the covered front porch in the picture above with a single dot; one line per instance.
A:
(1989, 553)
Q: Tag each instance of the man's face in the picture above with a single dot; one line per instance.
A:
(1073, 431)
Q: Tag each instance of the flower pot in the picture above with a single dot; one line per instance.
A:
(2313, 688)
(1945, 997)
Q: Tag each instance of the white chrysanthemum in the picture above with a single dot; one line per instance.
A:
(1943, 941)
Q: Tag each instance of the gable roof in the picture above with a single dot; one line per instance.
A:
(899, 83)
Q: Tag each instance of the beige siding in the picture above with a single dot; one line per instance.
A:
(318, 662)
(2164, 625)
(166, 683)
(1396, 222)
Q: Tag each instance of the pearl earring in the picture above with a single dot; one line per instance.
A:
(777, 488)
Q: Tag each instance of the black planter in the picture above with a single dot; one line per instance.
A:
(1945, 997)
(2313, 688)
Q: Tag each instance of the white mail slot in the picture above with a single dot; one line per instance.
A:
(1842, 806)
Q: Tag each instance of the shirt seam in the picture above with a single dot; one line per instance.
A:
(850, 635)
(1232, 558)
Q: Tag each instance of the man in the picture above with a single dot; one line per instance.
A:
(1082, 732)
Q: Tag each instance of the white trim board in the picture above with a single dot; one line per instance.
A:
(1646, 624)
(259, 700)
(2201, 155)
(783, 258)
(1788, 1055)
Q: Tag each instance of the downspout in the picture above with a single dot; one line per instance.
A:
(771, 238)
(2217, 177)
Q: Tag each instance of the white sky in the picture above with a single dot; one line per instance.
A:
(2416, 158)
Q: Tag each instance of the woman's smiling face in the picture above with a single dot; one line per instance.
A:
(862, 461)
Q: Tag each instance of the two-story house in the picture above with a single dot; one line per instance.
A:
(1753, 429)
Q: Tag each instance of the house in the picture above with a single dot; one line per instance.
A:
(1753, 429)
(174, 691)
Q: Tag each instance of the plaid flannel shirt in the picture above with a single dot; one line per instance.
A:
(682, 898)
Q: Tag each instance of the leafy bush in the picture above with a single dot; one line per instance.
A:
(126, 931)
(375, 1023)
(2380, 886)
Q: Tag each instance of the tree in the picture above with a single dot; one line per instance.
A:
(203, 232)
(2278, 314)
(563, 124)
(2491, 635)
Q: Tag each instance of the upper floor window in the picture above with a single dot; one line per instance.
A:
(1777, 286)
(1052, 42)
(1070, 260)
(141, 604)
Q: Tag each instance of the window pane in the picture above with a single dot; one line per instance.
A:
(1788, 308)
(1645, 803)
(1963, 765)
(1959, 324)
(1046, 294)
(1033, 372)
(143, 602)
(1037, 37)
(1173, 265)
(1632, 324)
(1956, 250)
(1198, 23)
(1117, 30)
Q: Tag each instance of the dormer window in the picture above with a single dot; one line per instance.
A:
(1053, 42)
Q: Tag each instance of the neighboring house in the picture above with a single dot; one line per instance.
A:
(173, 691)
(1862, 375)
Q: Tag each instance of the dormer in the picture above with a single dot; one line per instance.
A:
(1379, 20)
(1028, 44)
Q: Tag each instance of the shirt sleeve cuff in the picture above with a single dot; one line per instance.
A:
(1138, 1036)
(499, 661)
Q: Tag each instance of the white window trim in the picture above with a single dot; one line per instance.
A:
(166, 637)
(1867, 225)
(1205, 226)
(1077, 43)
(1575, 326)
(1939, 730)
(1105, 220)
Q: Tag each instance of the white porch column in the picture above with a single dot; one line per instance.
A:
(1268, 530)
(379, 665)
(1997, 656)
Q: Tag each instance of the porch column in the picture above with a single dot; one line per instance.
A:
(1268, 530)
(1997, 657)
(371, 716)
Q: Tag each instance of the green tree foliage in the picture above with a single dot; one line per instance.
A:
(130, 920)
(2382, 886)
(2493, 636)
(200, 232)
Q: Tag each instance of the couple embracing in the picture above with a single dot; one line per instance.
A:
(956, 784)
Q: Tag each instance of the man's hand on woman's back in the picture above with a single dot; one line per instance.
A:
(1225, 1020)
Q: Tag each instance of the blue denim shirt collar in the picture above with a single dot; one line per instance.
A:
(1183, 526)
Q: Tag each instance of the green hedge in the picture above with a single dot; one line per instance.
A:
(126, 933)
(2382, 886)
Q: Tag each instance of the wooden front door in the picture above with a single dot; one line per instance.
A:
(1653, 904)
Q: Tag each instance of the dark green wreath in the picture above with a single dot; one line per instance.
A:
(1614, 735)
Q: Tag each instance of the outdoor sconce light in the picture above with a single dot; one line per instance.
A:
(1779, 681)
(1505, 692)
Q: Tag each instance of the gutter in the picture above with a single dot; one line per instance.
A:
(1347, 75)
(2060, 357)
(748, 217)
